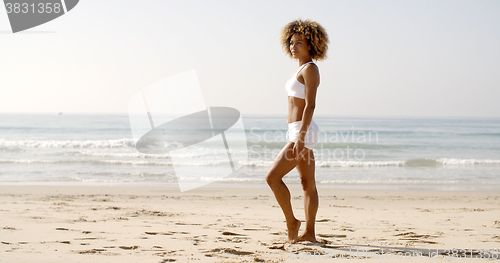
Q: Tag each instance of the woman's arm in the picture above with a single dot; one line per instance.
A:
(310, 73)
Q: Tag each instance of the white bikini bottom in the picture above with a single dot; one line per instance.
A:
(312, 135)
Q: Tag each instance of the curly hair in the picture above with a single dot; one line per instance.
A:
(316, 36)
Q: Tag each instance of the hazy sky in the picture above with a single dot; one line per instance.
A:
(386, 58)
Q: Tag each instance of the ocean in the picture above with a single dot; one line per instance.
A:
(392, 153)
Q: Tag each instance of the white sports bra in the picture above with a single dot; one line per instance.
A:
(294, 88)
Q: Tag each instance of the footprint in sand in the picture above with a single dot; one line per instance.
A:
(91, 251)
(331, 235)
(260, 228)
(412, 237)
(159, 233)
(129, 247)
(85, 238)
(310, 251)
(228, 233)
(169, 253)
(232, 239)
(282, 246)
(495, 223)
(228, 250)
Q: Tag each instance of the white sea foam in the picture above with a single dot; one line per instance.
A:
(118, 143)
(255, 163)
(343, 164)
(27, 161)
(200, 154)
(116, 162)
(448, 161)
(405, 181)
(126, 155)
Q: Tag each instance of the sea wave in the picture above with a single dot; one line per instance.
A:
(406, 182)
(449, 161)
(344, 164)
(165, 161)
(324, 144)
(255, 146)
(116, 162)
(82, 161)
(138, 155)
(117, 143)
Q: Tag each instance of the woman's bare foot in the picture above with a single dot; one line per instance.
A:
(307, 236)
(293, 231)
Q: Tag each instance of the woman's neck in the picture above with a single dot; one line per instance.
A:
(304, 61)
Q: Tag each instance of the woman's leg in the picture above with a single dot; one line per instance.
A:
(306, 168)
(283, 164)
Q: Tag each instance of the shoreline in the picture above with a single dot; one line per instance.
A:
(337, 187)
(220, 188)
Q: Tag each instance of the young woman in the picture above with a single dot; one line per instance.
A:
(304, 41)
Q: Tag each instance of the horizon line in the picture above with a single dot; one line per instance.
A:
(271, 115)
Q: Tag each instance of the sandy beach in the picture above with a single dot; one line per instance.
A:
(132, 224)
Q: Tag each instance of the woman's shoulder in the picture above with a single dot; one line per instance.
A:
(311, 65)
(310, 69)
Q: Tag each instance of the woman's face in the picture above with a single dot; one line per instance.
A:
(299, 46)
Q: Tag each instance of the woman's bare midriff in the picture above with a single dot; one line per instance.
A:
(295, 109)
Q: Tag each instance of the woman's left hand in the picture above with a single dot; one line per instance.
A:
(298, 149)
